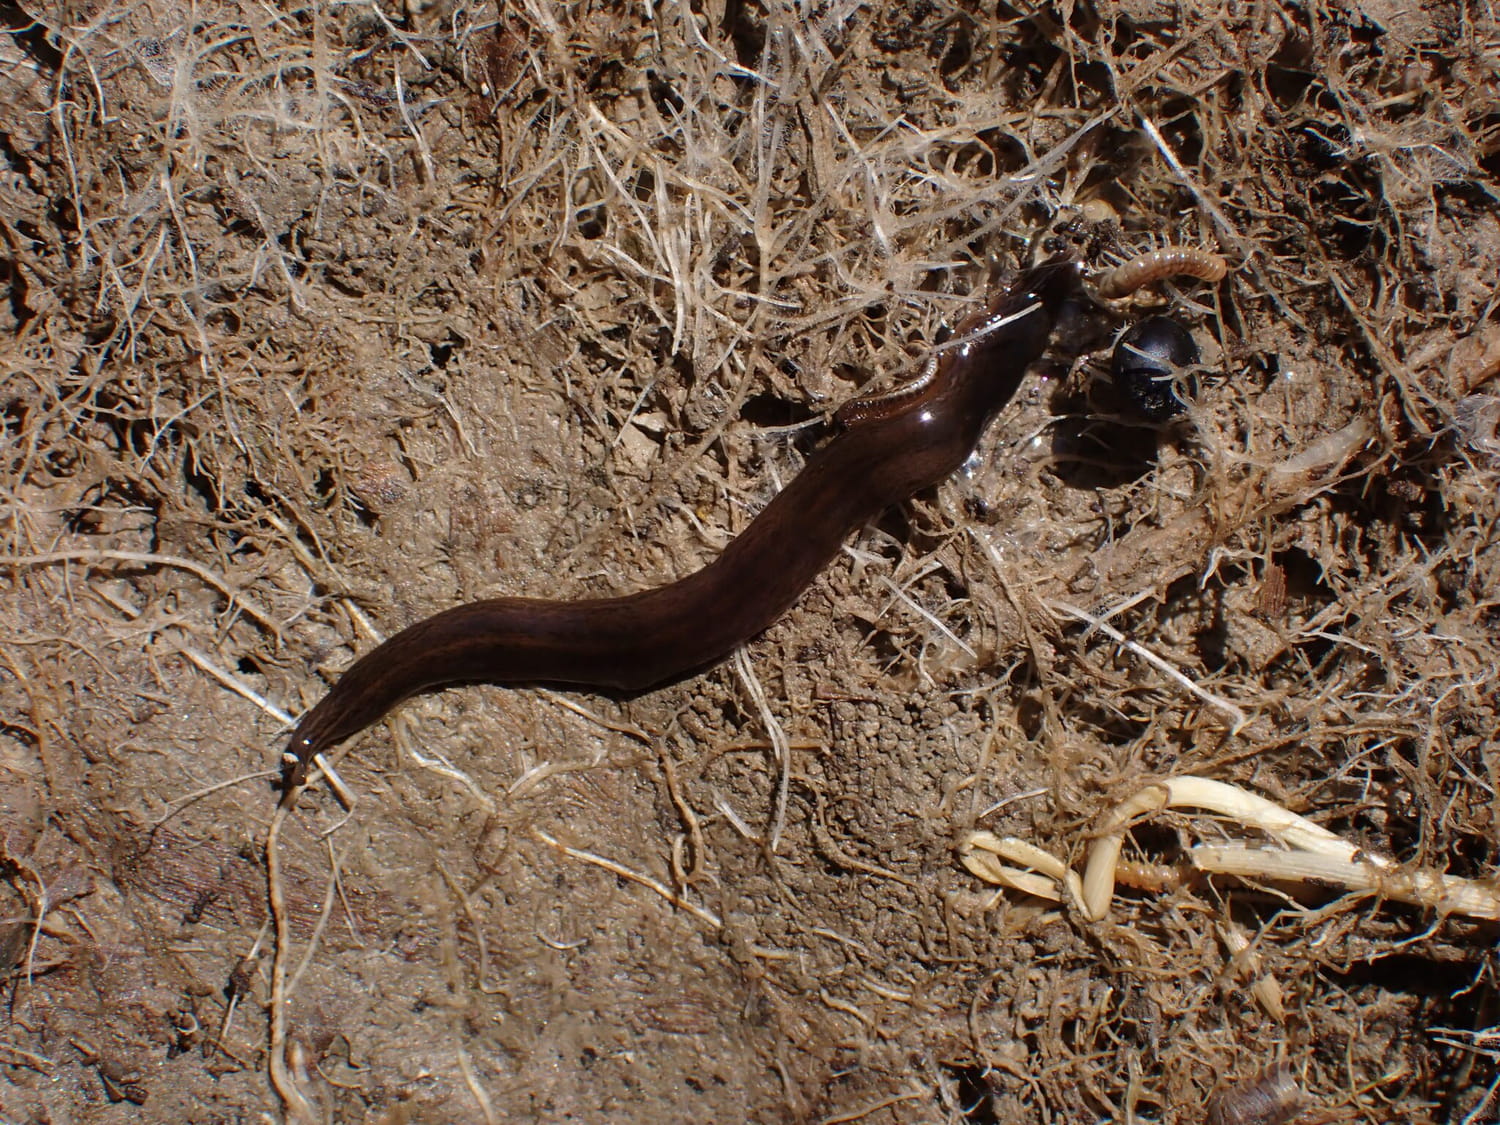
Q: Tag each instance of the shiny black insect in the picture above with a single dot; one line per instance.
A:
(1146, 365)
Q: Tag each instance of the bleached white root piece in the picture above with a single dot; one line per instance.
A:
(1247, 808)
(1310, 853)
(1315, 854)
(1263, 987)
(1048, 877)
(1446, 894)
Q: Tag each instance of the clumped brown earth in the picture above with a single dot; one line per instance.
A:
(316, 321)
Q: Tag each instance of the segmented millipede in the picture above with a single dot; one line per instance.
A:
(1154, 265)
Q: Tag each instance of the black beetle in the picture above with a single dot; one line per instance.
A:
(1146, 363)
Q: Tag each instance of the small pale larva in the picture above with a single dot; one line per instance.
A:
(1155, 265)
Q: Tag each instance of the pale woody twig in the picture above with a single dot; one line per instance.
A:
(778, 741)
(1239, 718)
(644, 880)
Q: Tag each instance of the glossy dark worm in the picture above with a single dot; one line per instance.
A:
(890, 446)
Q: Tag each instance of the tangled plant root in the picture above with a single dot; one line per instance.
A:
(1311, 857)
